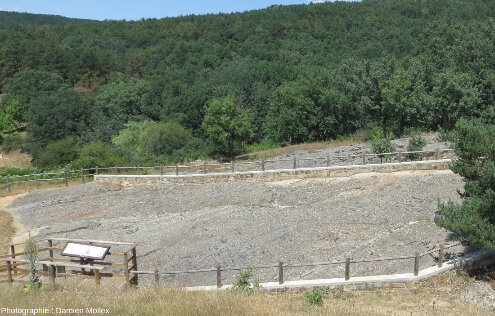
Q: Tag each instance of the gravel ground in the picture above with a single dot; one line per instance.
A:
(335, 155)
(195, 226)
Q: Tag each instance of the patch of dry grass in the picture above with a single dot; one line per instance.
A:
(15, 159)
(7, 228)
(436, 297)
(308, 147)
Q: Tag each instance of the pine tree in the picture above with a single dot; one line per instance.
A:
(473, 220)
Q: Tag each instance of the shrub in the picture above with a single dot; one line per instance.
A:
(31, 253)
(315, 298)
(416, 143)
(163, 138)
(58, 153)
(12, 142)
(97, 154)
(382, 145)
(242, 283)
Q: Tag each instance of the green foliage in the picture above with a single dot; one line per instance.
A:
(31, 254)
(473, 220)
(299, 73)
(58, 153)
(12, 142)
(416, 143)
(227, 126)
(382, 145)
(243, 282)
(163, 138)
(55, 116)
(97, 154)
(315, 298)
(263, 145)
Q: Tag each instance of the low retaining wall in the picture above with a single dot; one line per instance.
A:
(271, 175)
(480, 257)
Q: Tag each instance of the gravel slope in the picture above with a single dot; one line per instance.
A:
(193, 226)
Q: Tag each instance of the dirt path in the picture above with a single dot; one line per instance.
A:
(8, 225)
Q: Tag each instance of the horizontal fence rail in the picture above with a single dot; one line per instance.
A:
(87, 173)
(281, 265)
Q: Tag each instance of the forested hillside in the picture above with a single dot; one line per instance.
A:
(177, 88)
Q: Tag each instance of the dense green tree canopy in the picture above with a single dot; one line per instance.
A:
(474, 219)
(300, 73)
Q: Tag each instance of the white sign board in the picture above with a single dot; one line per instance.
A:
(85, 251)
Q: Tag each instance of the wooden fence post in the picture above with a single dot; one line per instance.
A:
(219, 277)
(232, 166)
(82, 176)
(347, 268)
(9, 272)
(440, 255)
(295, 163)
(328, 162)
(364, 158)
(97, 276)
(12, 253)
(161, 170)
(139, 171)
(134, 265)
(262, 164)
(36, 182)
(96, 170)
(157, 277)
(176, 169)
(204, 167)
(116, 170)
(437, 154)
(50, 245)
(53, 273)
(126, 270)
(7, 183)
(65, 178)
(400, 156)
(416, 264)
(280, 272)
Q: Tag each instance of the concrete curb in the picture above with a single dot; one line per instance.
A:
(368, 282)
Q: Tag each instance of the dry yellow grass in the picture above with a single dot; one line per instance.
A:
(436, 297)
(15, 159)
(7, 228)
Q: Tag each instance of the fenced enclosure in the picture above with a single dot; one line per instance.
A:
(118, 264)
(85, 175)
(122, 264)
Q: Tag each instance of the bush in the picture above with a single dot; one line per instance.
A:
(416, 143)
(382, 145)
(12, 142)
(242, 283)
(97, 154)
(163, 138)
(58, 153)
(315, 298)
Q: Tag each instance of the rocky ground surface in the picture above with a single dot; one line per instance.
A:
(338, 156)
(195, 226)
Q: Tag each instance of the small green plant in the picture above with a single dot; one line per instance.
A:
(315, 298)
(382, 145)
(31, 254)
(463, 275)
(243, 285)
(341, 296)
(416, 143)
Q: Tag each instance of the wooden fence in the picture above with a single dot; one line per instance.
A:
(281, 266)
(12, 270)
(294, 163)
(122, 262)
